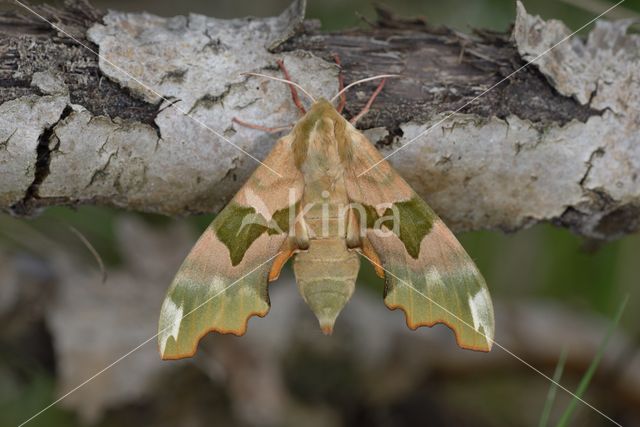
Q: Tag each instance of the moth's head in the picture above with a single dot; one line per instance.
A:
(322, 106)
(322, 109)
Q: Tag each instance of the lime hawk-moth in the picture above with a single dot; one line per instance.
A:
(325, 197)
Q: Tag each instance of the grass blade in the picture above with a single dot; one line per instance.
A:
(586, 378)
(551, 395)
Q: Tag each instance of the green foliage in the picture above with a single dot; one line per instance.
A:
(551, 396)
(586, 379)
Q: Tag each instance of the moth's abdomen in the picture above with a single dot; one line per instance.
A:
(326, 276)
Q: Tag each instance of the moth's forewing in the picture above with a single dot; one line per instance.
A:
(428, 274)
(223, 280)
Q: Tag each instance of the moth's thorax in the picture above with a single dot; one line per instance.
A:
(320, 148)
(323, 168)
(320, 141)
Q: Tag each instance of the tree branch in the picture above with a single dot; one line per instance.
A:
(557, 141)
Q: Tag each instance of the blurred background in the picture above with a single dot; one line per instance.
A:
(554, 293)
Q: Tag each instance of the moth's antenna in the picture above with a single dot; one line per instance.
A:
(368, 79)
(289, 82)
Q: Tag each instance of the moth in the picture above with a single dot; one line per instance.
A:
(325, 197)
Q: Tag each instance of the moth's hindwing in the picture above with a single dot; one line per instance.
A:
(428, 274)
(223, 280)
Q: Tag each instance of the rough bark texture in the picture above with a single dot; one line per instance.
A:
(558, 141)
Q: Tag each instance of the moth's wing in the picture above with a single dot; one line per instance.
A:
(428, 274)
(223, 280)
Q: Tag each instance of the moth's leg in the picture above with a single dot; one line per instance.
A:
(353, 232)
(260, 127)
(365, 110)
(369, 252)
(301, 233)
(294, 92)
(286, 251)
(343, 96)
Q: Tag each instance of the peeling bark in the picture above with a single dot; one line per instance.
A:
(558, 141)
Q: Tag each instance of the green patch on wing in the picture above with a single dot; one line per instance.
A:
(410, 220)
(280, 221)
(414, 222)
(369, 213)
(239, 226)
